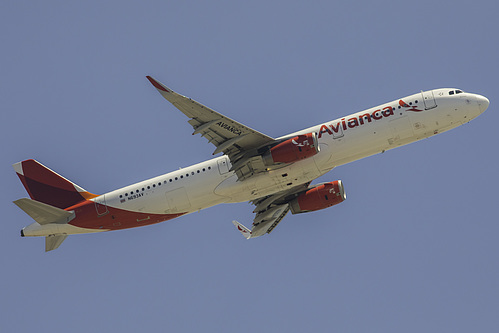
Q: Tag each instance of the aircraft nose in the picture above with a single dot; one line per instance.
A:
(483, 102)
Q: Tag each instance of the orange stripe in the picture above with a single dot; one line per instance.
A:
(88, 195)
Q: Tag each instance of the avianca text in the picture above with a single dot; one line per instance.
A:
(354, 121)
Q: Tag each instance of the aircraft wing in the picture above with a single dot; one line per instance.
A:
(270, 210)
(268, 222)
(237, 141)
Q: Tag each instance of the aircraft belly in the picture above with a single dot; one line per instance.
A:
(269, 182)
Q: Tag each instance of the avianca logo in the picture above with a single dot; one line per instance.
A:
(405, 105)
(353, 122)
(302, 143)
(242, 230)
(229, 128)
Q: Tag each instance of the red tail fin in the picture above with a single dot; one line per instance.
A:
(44, 185)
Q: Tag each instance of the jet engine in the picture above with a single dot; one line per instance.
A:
(292, 150)
(319, 197)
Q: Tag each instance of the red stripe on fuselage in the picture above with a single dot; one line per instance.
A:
(88, 217)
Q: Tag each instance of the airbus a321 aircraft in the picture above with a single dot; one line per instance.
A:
(273, 174)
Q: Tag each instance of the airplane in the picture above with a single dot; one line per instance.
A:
(274, 174)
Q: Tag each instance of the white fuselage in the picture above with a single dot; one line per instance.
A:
(341, 141)
(193, 189)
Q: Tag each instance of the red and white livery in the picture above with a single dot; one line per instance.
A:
(273, 174)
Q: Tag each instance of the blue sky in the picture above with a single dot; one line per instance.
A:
(414, 248)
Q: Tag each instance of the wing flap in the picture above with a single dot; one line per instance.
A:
(270, 211)
(264, 223)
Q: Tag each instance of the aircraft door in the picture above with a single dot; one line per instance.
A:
(223, 165)
(100, 205)
(428, 99)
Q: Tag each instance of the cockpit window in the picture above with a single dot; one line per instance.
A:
(451, 92)
(458, 91)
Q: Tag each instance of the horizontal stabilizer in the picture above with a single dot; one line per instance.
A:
(43, 213)
(244, 231)
(52, 242)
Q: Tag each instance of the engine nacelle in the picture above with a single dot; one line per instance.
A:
(320, 197)
(292, 150)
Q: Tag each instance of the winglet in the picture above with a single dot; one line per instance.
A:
(158, 85)
(244, 231)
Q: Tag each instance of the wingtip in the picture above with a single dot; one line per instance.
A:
(242, 229)
(156, 84)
